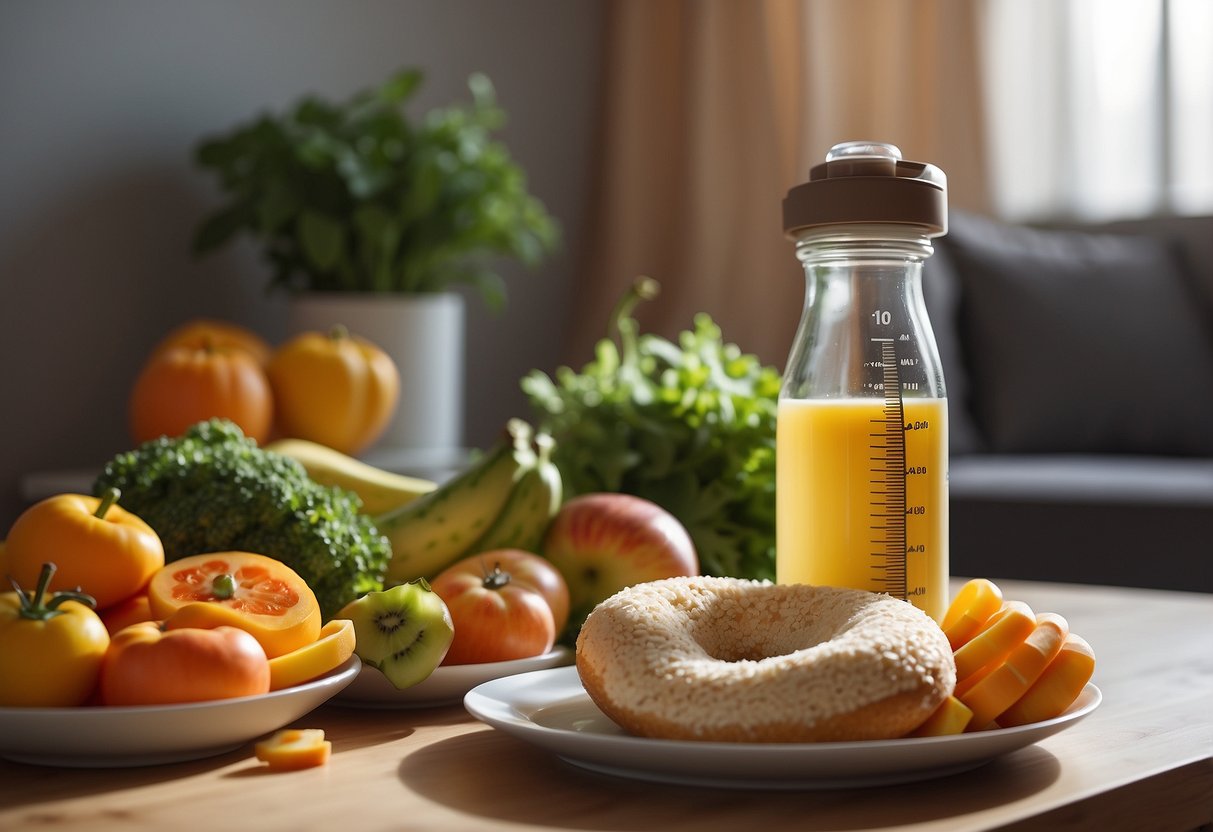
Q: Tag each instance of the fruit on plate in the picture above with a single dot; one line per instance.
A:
(496, 618)
(51, 646)
(148, 666)
(133, 610)
(380, 491)
(951, 717)
(1057, 687)
(998, 636)
(973, 605)
(204, 333)
(403, 632)
(336, 389)
(334, 646)
(260, 595)
(184, 385)
(505, 499)
(1013, 666)
(1000, 686)
(602, 543)
(524, 568)
(96, 545)
(294, 748)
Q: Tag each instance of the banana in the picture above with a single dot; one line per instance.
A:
(381, 491)
(530, 508)
(435, 530)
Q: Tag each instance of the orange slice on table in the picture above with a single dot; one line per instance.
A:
(294, 748)
(258, 594)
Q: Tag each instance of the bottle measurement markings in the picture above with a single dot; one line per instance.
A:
(890, 549)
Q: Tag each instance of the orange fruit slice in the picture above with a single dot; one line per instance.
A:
(335, 645)
(1057, 687)
(294, 748)
(1004, 630)
(258, 594)
(969, 611)
(1001, 687)
(951, 717)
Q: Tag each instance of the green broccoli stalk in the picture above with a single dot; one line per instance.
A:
(689, 425)
(213, 490)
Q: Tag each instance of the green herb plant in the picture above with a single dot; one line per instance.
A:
(690, 426)
(357, 197)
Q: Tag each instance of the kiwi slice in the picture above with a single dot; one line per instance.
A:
(404, 632)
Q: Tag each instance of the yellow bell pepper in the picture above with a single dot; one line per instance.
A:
(336, 389)
(51, 647)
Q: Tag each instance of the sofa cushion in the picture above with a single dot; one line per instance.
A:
(941, 293)
(1101, 479)
(1079, 342)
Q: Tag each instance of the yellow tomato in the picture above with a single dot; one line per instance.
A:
(51, 648)
(95, 543)
(337, 389)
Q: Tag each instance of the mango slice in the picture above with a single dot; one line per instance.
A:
(1058, 686)
(951, 717)
(294, 748)
(1006, 629)
(972, 607)
(331, 649)
(1023, 666)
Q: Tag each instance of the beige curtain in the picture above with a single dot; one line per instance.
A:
(714, 108)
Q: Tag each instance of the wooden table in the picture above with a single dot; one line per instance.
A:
(1142, 761)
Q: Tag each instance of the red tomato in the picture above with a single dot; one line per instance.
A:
(525, 568)
(496, 618)
(145, 666)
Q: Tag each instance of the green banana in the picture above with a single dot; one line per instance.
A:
(530, 508)
(435, 530)
(380, 491)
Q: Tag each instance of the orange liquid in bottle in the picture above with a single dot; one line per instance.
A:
(835, 512)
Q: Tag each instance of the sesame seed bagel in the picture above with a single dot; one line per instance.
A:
(732, 660)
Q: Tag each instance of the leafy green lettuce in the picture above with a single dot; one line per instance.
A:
(688, 425)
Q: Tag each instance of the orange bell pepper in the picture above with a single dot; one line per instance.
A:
(97, 545)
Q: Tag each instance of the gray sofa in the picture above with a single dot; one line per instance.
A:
(1079, 365)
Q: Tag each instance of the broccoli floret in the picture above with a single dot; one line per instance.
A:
(213, 490)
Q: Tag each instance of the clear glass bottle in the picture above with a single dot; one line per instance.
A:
(862, 437)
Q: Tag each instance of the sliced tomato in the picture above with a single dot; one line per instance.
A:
(258, 594)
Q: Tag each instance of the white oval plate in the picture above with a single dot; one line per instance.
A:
(445, 686)
(141, 735)
(551, 709)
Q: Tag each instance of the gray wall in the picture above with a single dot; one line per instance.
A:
(100, 106)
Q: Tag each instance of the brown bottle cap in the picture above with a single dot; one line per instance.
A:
(868, 182)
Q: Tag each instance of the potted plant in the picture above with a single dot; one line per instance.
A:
(371, 219)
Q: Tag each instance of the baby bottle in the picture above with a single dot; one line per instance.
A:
(862, 431)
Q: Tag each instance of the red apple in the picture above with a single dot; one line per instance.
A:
(603, 543)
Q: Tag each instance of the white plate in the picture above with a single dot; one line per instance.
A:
(140, 735)
(551, 709)
(445, 686)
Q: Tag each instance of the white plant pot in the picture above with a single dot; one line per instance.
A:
(424, 335)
